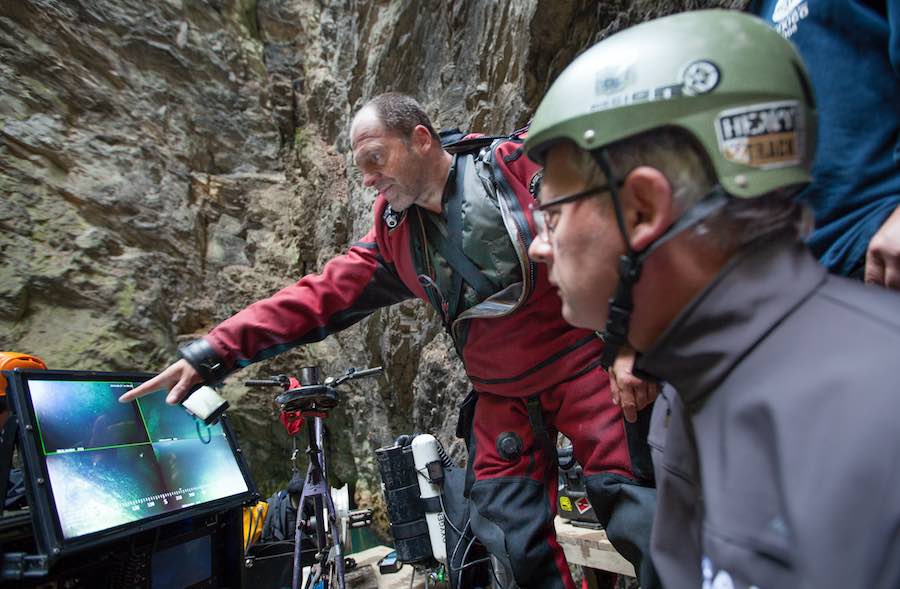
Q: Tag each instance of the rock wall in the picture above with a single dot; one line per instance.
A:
(163, 164)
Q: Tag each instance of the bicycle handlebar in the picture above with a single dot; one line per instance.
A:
(332, 381)
(278, 380)
(262, 382)
(353, 374)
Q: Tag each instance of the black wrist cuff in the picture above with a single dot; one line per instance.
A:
(205, 361)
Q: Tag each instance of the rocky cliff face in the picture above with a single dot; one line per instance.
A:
(163, 164)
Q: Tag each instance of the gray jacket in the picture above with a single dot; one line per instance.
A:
(778, 459)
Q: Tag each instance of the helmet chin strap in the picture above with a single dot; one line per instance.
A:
(621, 305)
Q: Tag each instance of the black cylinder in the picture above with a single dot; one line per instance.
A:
(310, 375)
(405, 510)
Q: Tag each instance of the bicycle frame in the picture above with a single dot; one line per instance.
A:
(313, 399)
(317, 489)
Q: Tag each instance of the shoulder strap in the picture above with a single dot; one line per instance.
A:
(472, 144)
(541, 435)
(452, 135)
(461, 263)
(455, 141)
(453, 252)
(451, 246)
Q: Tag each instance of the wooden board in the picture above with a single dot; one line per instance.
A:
(590, 548)
(367, 575)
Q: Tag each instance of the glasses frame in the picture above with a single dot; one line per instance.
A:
(538, 211)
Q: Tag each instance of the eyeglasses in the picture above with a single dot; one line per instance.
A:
(546, 215)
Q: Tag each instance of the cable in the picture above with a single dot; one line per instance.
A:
(412, 578)
(200, 435)
(464, 565)
(262, 558)
(445, 459)
(494, 574)
(493, 571)
(446, 517)
(459, 542)
(465, 554)
(455, 529)
(474, 562)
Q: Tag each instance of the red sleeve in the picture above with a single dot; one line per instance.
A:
(350, 287)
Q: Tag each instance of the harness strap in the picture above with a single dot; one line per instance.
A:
(409, 530)
(450, 247)
(455, 141)
(431, 504)
(541, 436)
(454, 228)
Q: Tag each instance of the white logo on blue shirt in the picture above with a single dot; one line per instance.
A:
(787, 16)
(784, 7)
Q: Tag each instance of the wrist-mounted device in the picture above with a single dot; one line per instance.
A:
(205, 361)
(203, 402)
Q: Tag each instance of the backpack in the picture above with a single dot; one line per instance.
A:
(456, 141)
(281, 518)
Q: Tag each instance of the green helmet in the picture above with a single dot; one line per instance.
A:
(724, 76)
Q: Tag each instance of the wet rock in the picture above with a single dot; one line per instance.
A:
(164, 164)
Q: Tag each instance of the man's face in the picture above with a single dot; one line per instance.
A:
(388, 163)
(584, 245)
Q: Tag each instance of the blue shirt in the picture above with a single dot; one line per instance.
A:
(852, 51)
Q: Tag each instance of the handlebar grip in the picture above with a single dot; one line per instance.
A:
(367, 372)
(263, 382)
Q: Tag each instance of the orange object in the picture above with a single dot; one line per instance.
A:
(10, 360)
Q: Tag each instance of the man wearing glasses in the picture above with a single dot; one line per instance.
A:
(774, 438)
(453, 230)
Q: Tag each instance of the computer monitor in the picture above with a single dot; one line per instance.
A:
(99, 469)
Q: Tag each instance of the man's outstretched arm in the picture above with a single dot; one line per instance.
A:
(350, 287)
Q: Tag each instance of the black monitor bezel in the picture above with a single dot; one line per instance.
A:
(47, 530)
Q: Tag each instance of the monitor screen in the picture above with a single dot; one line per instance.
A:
(111, 464)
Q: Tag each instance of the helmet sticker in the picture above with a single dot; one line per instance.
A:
(766, 135)
(700, 77)
(613, 79)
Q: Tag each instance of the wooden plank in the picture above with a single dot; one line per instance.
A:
(368, 559)
(590, 548)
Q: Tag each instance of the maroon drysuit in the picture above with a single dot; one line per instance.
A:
(515, 345)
